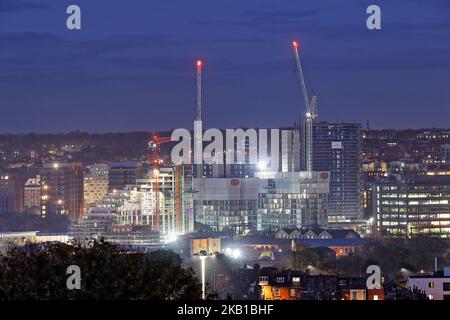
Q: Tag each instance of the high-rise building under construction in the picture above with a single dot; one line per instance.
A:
(337, 148)
(288, 160)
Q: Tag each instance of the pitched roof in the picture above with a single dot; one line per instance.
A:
(351, 282)
(289, 230)
(335, 233)
(342, 233)
(338, 242)
(260, 240)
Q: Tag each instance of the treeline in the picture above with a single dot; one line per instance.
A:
(392, 255)
(77, 137)
(32, 222)
(89, 147)
(102, 271)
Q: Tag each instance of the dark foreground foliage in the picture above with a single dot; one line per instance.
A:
(394, 254)
(107, 272)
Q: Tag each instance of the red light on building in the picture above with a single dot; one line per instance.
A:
(324, 175)
(234, 182)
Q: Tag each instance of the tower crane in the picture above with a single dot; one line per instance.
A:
(311, 111)
(198, 127)
(199, 64)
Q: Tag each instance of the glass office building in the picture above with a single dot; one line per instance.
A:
(413, 205)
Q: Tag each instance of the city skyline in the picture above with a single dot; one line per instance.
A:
(236, 152)
(119, 74)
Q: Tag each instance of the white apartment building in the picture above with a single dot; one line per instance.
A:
(32, 193)
(436, 286)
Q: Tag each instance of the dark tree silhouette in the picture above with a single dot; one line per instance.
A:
(38, 272)
(393, 254)
(307, 256)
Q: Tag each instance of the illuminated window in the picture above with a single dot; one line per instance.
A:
(280, 279)
(276, 292)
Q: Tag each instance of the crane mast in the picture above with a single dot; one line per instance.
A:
(199, 90)
(198, 130)
(311, 112)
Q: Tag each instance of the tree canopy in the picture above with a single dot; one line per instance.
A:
(38, 272)
(317, 257)
(390, 254)
(393, 254)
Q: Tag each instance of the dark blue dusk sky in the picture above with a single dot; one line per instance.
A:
(131, 67)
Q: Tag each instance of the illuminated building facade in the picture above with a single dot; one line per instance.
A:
(436, 286)
(417, 205)
(5, 194)
(222, 204)
(101, 223)
(32, 193)
(95, 184)
(374, 168)
(338, 149)
(134, 205)
(288, 161)
(293, 199)
(62, 189)
(11, 192)
(123, 173)
(285, 285)
(269, 201)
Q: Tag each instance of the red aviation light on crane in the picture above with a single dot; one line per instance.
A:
(199, 63)
(295, 44)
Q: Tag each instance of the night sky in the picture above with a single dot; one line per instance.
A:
(131, 67)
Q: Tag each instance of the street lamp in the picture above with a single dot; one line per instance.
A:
(234, 253)
(203, 263)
